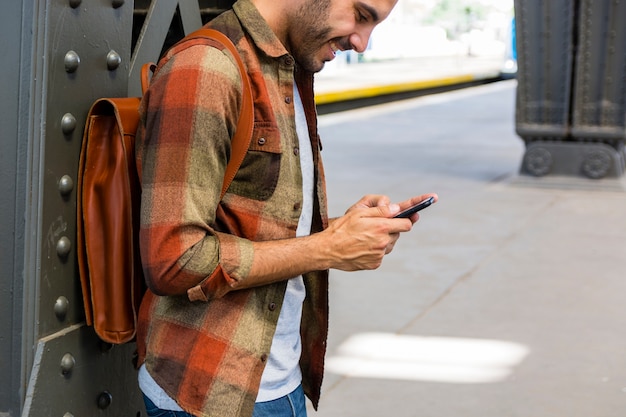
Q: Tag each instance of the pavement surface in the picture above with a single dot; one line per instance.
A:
(506, 299)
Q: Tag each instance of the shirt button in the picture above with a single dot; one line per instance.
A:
(261, 141)
(288, 100)
(272, 306)
(296, 151)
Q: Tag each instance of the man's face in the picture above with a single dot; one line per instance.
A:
(320, 28)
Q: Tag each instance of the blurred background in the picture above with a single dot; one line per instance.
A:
(432, 28)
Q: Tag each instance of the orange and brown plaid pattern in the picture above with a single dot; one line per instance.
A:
(209, 356)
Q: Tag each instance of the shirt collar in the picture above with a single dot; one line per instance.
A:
(258, 29)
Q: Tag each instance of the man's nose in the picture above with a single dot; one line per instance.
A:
(360, 39)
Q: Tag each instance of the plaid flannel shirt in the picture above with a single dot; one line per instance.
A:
(209, 355)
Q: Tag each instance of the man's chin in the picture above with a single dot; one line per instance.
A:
(313, 65)
(320, 66)
(313, 62)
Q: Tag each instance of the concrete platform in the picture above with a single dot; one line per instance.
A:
(507, 298)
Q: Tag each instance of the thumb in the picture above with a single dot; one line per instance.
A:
(383, 211)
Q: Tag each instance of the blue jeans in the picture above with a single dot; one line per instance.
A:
(154, 411)
(291, 405)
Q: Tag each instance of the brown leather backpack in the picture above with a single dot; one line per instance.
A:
(108, 200)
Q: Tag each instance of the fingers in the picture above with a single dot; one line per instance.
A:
(375, 200)
(414, 200)
(381, 217)
(385, 208)
(371, 200)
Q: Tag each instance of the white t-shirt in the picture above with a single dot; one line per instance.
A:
(282, 373)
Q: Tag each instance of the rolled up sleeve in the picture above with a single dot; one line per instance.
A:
(188, 118)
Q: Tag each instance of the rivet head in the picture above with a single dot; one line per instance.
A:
(63, 247)
(66, 185)
(117, 3)
(113, 60)
(61, 307)
(75, 3)
(72, 61)
(67, 364)
(68, 123)
(104, 400)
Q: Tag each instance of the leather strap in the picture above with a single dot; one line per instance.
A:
(243, 133)
(146, 69)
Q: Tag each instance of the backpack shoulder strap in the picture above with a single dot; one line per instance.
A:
(243, 132)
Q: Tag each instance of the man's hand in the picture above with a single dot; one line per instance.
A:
(367, 232)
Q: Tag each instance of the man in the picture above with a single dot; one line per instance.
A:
(235, 322)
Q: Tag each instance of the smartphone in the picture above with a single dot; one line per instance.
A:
(414, 209)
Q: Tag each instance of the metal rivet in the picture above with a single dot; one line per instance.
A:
(261, 141)
(67, 363)
(66, 185)
(68, 123)
(117, 3)
(61, 307)
(104, 400)
(75, 3)
(113, 60)
(63, 247)
(72, 61)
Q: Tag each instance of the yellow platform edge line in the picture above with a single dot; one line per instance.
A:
(379, 90)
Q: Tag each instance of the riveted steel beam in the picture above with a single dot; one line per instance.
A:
(77, 374)
(545, 50)
(600, 86)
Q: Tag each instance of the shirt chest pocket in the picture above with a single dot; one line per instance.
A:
(258, 175)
